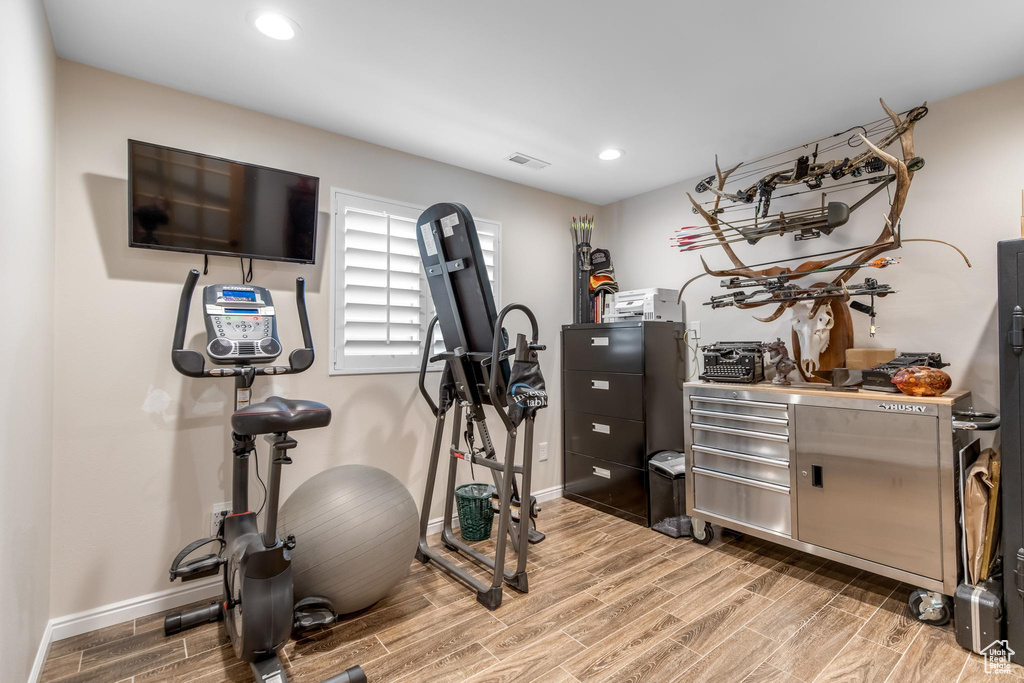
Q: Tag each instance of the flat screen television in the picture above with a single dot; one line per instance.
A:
(184, 201)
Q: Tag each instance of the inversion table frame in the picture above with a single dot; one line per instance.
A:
(477, 361)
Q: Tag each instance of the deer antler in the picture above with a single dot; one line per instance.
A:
(712, 221)
(712, 218)
(776, 315)
(886, 240)
(907, 139)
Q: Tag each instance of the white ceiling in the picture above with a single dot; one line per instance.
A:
(469, 82)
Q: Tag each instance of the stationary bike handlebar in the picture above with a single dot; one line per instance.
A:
(192, 363)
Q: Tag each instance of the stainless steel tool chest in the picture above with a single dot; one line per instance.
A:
(621, 396)
(864, 478)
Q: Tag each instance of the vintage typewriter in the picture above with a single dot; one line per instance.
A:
(879, 378)
(740, 362)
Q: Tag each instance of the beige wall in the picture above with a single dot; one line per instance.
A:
(969, 193)
(27, 142)
(141, 452)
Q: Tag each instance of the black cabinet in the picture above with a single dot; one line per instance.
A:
(1011, 408)
(622, 402)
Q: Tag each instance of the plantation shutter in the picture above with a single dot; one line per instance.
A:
(381, 302)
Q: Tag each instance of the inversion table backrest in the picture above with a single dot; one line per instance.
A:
(460, 289)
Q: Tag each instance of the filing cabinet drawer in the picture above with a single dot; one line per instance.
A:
(608, 438)
(604, 350)
(755, 503)
(608, 483)
(604, 393)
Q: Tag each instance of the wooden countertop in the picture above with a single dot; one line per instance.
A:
(809, 389)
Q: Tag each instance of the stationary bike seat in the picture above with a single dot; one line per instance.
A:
(277, 415)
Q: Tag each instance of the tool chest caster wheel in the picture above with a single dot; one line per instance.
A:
(702, 531)
(930, 607)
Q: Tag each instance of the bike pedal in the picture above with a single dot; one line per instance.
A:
(311, 620)
(312, 614)
(207, 565)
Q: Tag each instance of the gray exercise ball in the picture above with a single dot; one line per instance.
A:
(356, 528)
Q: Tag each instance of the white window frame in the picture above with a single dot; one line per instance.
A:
(342, 199)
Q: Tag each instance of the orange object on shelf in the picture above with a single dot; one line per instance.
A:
(921, 380)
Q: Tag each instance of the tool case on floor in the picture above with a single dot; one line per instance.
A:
(979, 614)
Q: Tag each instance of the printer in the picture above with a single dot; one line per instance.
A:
(644, 304)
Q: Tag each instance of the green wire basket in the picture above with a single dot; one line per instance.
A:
(475, 513)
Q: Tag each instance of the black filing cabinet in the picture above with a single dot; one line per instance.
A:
(622, 402)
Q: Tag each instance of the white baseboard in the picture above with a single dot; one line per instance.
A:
(546, 494)
(60, 628)
(44, 649)
(134, 608)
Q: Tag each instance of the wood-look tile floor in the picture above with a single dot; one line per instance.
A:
(608, 601)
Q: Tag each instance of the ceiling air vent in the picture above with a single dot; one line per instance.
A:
(528, 162)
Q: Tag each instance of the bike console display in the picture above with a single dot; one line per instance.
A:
(241, 331)
(241, 326)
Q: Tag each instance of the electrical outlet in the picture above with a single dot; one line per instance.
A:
(542, 449)
(694, 328)
(219, 512)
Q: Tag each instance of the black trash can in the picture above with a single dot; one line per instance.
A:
(666, 472)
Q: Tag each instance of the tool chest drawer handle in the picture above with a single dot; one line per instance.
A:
(599, 341)
(742, 432)
(600, 384)
(602, 472)
(742, 480)
(601, 429)
(741, 417)
(738, 402)
(771, 462)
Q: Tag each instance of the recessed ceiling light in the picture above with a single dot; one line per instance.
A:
(610, 154)
(274, 26)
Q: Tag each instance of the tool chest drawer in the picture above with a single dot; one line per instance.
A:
(606, 350)
(604, 393)
(608, 483)
(746, 441)
(745, 500)
(610, 438)
(749, 466)
(757, 423)
(779, 411)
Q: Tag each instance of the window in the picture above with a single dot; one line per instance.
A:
(380, 302)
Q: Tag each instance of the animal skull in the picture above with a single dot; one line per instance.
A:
(812, 333)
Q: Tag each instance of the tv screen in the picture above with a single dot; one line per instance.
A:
(184, 201)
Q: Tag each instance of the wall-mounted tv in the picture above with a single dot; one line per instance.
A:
(184, 201)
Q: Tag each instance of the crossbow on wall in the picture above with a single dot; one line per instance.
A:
(776, 281)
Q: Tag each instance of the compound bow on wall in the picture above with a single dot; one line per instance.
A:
(810, 223)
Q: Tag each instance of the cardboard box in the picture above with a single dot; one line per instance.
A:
(862, 359)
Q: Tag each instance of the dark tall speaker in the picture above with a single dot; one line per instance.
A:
(1011, 408)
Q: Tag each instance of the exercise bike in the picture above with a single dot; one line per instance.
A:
(258, 605)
